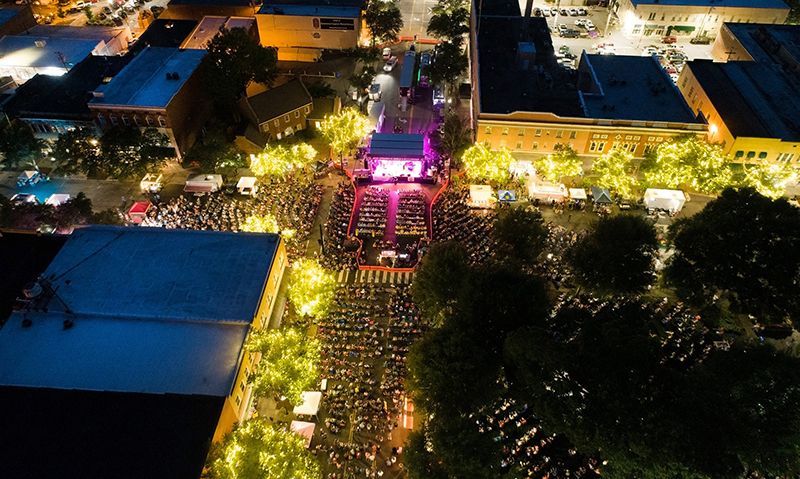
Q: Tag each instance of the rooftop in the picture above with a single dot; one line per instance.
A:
(630, 88)
(717, 3)
(166, 33)
(94, 435)
(397, 145)
(754, 99)
(222, 3)
(210, 26)
(322, 108)
(44, 52)
(278, 101)
(332, 8)
(144, 82)
(7, 12)
(765, 41)
(65, 96)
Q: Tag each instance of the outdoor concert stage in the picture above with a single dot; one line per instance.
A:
(396, 157)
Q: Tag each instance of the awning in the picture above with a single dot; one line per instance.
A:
(304, 430)
(683, 28)
(310, 404)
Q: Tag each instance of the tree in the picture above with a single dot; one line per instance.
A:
(289, 363)
(234, 60)
(520, 236)
(384, 21)
(261, 224)
(454, 137)
(449, 21)
(258, 450)
(363, 80)
(127, 152)
(768, 178)
(74, 212)
(19, 147)
(75, 148)
(214, 153)
(483, 164)
(311, 288)
(107, 217)
(613, 171)
(449, 64)
(742, 245)
(280, 161)
(420, 462)
(560, 165)
(440, 280)
(616, 256)
(691, 162)
(345, 130)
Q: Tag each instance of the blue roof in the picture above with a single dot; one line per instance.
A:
(313, 8)
(398, 145)
(7, 13)
(716, 3)
(144, 81)
(22, 51)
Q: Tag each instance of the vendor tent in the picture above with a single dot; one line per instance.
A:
(547, 191)
(601, 195)
(667, 200)
(481, 196)
(57, 199)
(303, 429)
(577, 193)
(310, 404)
(138, 211)
(247, 185)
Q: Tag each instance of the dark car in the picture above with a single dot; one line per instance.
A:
(156, 10)
(570, 33)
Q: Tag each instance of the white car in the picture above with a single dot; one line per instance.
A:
(589, 25)
(545, 12)
(387, 53)
(573, 12)
(581, 22)
(649, 51)
(390, 63)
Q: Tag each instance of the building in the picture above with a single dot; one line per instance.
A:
(276, 113)
(159, 88)
(128, 358)
(524, 101)
(23, 57)
(751, 104)
(321, 108)
(52, 105)
(111, 40)
(166, 33)
(695, 18)
(301, 29)
(210, 26)
(197, 9)
(15, 19)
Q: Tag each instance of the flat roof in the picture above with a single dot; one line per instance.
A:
(154, 273)
(328, 8)
(92, 32)
(210, 26)
(632, 88)
(144, 83)
(759, 40)
(716, 3)
(93, 435)
(754, 99)
(402, 145)
(165, 33)
(22, 51)
(7, 12)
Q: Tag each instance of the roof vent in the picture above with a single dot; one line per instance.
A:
(27, 323)
(68, 324)
(40, 43)
(172, 76)
(32, 290)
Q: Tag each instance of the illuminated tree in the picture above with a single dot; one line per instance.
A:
(692, 162)
(613, 171)
(483, 164)
(289, 363)
(257, 449)
(345, 129)
(768, 178)
(279, 160)
(562, 164)
(261, 224)
(311, 288)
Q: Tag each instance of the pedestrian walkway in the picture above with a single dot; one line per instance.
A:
(346, 276)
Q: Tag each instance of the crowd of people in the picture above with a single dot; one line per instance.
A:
(411, 214)
(340, 251)
(293, 204)
(365, 342)
(372, 213)
(454, 220)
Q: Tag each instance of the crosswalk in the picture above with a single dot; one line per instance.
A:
(375, 277)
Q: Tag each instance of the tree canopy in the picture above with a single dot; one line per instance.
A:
(384, 21)
(19, 147)
(213, 152)
(483, 164)
(519, 236)
(744, 245)
(617, 255)
(449, 64)
(449, 20)
(769, 178)
(692, 162)
(74, 149)
(259, 450)
(280, 161)
(265, 223)
(454, 137)
(612, 170)
(563, 163)
(311, 288)
(127, 152)
(289, 363)
(345, 130)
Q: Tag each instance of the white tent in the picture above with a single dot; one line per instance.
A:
(310, 404)
(547, 191)
(577, 194)
(247, 185)
(304, 430)
(667, 200)
(481, 196)
(57, 199)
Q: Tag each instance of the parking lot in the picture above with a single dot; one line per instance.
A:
(103, 12)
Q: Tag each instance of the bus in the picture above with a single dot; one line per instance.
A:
(408, 74)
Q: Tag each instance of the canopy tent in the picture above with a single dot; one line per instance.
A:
(668, 200)
(601, 195)
(151, 183)
(547, 191)
(138, 211)
(310, 404)
(57, 199)
(27, 175)
(481, 196)
(577, 193)
(203, 184)
(247, 185)
(397, 145)
(507, 195)
(304, 430)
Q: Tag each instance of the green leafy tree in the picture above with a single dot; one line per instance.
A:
(345, 130)
(74, 212)
(234, 60)
(691, 162)
(311, 288)
(280, 161)
(363, 80)
(19, 147)
(448, 66)
(454, 137)
(520, 236)
(257, 449)
(769, 178)
(107, 217)
(321, 90)
(440, 280)
(558, 166)
(419, 460)
(75, 148)
(449, 20)
(214, 153)
(384, 21)
(612, 170)
(742, 245)
(289, 363)
(483, 164)
(127, 152)
(617, 255)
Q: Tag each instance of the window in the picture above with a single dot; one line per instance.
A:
(276, 123)
(488, 130)
(603, 137)
(101, 119)
(136, 120)
(559, 133)
(632, 148)
(519, 145)
(308, 110)
(126, 121)
(652, 16)
(535, 145)
(538, 132)
(572, 135)
(241, 386)
(149, 120)
(162, 122)
(593, 146)
(238, 400)
(751, 154)
(297, 114)
(637, 30)
(114, 120)
(505, 131)
(739, 154)
(648, 148)
(286, 118)
(787, 157)
(316, 124)
(521, 132)
(762, 155)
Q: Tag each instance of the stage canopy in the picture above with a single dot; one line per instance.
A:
(397, 145)
(304, 430)
(310, 404)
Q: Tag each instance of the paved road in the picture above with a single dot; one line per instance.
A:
(416, 14)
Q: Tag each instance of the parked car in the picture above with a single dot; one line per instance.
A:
(570, 33)
(700, 41)
(390, 63)
(23, 198)
(649, 51)
(561, 29)
(589, 25)
(375, 92)
(545, 12)
(563, 11)
(583, 12)
(581, 22)
(107, 10)
(424, 59)
(573, 12)
(669, 40)
(387, 52)
(156, 10)
(537, 12)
